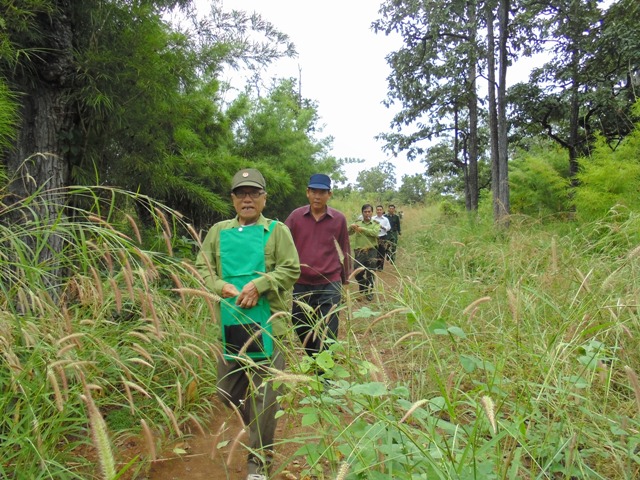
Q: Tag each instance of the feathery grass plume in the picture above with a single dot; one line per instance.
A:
(192, 390)
(140, 335)
(633, 379)
(472, 308)
(73, 336)
(385, 316)
(342, 472)
(167, 241)
(97, 283)
(377, 360)
(101, 222)
(127, 390)
(134, 227)
(554, 255)
(143, 277)
(117, 296)
(197, 424)
(489, 410)
(208, 296)
(408, 335)
(63, 379)
(60, 353)
(179, 400)
(56, 389)
(284, 377)
(149, 267)
(513, 305)
(66, 317)
(127, 274)
(191, 269)
(184, 364)
(339, 250)
(216, 440)
(413, 408)
(140, 361)
(154, 315)
(163, 219)
(171, 415)
(100, 436)
(449, 384)
(193, 233)
(135, 386)
(149, 440)
(23, 303)
(139, 349)
(109, 261)
(356, 272)
(234, 446)
(178, 283)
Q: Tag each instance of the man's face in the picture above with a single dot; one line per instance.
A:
(392, 210)
(366, 214)
(247, 207)
(379, 211)
(318, 198)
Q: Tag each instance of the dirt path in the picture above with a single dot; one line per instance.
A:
(210, 456)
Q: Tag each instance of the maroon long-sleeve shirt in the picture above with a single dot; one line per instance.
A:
(320, 260)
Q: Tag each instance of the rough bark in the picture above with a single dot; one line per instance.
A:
(38, 164)
(503, 150)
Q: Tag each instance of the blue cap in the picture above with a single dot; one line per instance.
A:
(320, 181)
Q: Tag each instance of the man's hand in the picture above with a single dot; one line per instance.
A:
(248, 297)
(229, 290)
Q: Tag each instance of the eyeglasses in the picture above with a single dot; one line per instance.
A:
(252, 194)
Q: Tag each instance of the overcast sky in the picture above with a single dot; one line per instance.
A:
(343, 69)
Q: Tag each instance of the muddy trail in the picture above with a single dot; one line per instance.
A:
(216, 453)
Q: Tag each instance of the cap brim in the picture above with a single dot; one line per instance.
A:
(319, 186)
(248, 184)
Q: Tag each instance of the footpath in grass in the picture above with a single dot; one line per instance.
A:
(215, 453)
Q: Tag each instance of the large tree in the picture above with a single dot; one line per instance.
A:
(434, 78)
(112, 92)
(587, 86)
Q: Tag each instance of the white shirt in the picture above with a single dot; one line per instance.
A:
(385, 226)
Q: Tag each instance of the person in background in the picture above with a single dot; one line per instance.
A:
(364, 240)
(385, 226)
(322, 239)
(252, 263)
(394, 232)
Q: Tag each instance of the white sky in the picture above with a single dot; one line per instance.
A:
(343, 69)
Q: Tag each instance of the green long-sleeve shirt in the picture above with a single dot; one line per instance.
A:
(281, 262)
(367, 237)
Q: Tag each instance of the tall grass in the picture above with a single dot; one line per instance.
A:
(91, 356)
(489, 354)
(496, 354)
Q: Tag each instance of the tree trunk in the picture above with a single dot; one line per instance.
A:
(493, 112)
(503, 147)
(473, 112)
(38, 164)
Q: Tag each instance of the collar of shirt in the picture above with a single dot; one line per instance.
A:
(328, 211)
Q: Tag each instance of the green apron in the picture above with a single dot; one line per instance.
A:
(242, 260)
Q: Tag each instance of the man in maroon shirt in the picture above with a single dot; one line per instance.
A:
(322, 240)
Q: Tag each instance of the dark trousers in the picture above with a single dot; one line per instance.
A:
(315, 315)
(367, 258)
(256, 399)
(392, 245)
(381, 251)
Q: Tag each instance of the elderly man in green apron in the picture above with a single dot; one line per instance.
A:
(251, 262)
